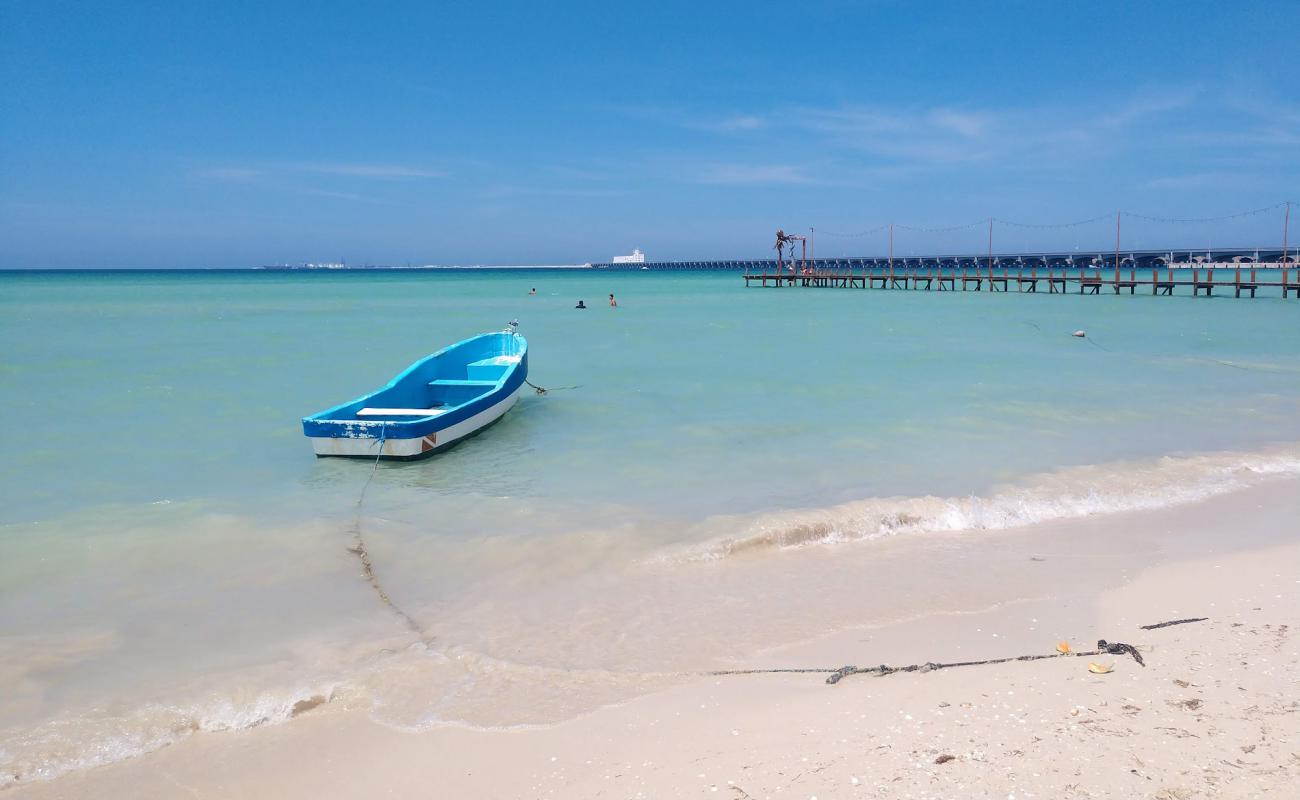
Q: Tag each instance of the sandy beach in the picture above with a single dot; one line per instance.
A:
(643, 401)
(1213, 713)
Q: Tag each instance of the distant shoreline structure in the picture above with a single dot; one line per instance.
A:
(377, 267)
(637, 257)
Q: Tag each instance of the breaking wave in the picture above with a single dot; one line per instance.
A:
(1064, 494)
(416, 693)
(93, 739)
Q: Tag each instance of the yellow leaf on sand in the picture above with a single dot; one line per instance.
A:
(1063, 647)
(1099, 669)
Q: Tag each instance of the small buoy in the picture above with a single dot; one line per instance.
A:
(1099, 669)
(1079, 334)
(1063, 647)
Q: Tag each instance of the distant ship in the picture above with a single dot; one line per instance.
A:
(637, 257)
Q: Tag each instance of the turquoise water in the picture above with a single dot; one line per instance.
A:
(132, 388)
(170, 539)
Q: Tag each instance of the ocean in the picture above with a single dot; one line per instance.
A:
(707, 460)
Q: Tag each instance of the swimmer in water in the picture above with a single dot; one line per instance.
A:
(532, 292)
(612, 302)
(580, 304)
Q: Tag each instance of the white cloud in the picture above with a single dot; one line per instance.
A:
(1200, 180)
(516, 190)
(379, 171)
(966, 123)
(739, 174)
(740, 122)
(1038, 136)
(251, 173)
(351, 196)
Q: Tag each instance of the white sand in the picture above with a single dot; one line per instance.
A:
(1215, 713)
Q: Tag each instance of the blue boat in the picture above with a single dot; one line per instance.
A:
(434, 404)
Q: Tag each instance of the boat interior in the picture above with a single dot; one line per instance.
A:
(442, 394)
(439, 383)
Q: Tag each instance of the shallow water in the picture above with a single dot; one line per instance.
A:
(175, 557)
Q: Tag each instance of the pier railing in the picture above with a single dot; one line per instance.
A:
(1201, 279)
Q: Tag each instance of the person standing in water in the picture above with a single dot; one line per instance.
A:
(612, 302)
(580, 304)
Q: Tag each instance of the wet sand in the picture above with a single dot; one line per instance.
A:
(1214, 713)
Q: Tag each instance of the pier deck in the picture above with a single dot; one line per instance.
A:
(1161, 282)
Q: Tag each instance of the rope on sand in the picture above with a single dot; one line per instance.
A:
(358, 549)
(834, 676)
(1155, 625)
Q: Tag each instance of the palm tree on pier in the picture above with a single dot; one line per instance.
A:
(783, 239)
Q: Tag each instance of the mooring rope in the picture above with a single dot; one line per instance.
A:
(358, 547)
(835, 674)
(1117, 648)
(1204, 360)
(1156, 625)
(359, 550)
(1092, 341)
(540, 390)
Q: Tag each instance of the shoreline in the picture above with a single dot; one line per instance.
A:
(571, 623)
(1079, 580)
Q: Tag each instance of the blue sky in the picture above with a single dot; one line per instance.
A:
(240, 133)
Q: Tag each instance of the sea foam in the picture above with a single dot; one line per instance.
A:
(1063, 494)
(95, 739)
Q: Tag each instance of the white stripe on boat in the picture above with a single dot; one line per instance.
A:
(403, 448)
(401, 412)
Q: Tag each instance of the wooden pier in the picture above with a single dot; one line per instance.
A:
(1161, 282)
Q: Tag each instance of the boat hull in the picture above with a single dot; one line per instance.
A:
(413, 448)
(433, 405)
